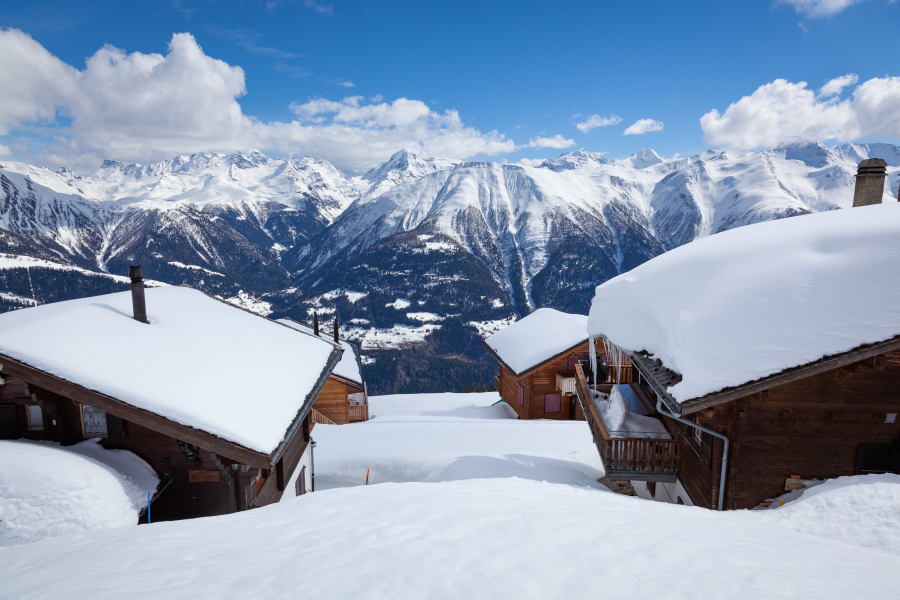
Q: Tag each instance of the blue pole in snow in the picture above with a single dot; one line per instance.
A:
(148, 508)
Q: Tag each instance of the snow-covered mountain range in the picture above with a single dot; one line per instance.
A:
(442, 249)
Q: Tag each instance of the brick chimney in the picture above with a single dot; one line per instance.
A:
(870, 182)
(139, 307)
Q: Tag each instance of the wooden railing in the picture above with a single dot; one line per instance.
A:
(565, 383)
(635, 458)
(359, 413)
(317, 417)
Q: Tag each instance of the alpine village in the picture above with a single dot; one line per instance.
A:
(341, 366)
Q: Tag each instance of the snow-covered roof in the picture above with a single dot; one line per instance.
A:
(348, 367)
(541, 335)
(751, 302)
(200, 362)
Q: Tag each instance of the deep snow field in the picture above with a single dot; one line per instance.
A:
(465, 502)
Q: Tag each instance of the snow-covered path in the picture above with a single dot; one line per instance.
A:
(448, 437)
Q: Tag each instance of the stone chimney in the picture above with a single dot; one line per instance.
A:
(315, 323)
(139, 307)
(336, 341)
(870, 182)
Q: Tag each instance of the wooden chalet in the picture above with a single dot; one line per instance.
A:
(538, 356)
(343, 398)
(832, 413)
(215, 398)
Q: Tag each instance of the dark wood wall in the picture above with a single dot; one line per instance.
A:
(202, 486)
(333, 401)
(811, 427)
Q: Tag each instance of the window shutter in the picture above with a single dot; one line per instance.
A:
(521, 396)
(572, 361)
(552, 403)
(300, 486)
(115, 429)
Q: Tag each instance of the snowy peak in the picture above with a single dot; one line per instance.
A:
(404, 166)
(569, 161)
(643, 159)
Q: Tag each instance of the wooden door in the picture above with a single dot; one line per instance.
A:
(9, 422)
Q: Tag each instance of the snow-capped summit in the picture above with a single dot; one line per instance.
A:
(644, 158)
(573, 160)
(404, 166)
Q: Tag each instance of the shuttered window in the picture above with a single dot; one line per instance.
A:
(573, 360)
(521, 396)
(552, 403)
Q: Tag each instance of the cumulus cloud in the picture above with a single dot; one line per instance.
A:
(837, 85)
(557, 141)
(643, 126)
(146, 107)
(782, 112)
(4, 150)
(595, 121)
(816, 9)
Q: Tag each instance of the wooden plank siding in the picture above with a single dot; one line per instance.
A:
(541, 380)
(811, 427)
(334, 402)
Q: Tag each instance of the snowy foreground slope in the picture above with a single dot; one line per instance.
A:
(495, 538)
(479, 517)
(48, 491)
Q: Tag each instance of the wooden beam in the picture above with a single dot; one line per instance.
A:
(136, 415)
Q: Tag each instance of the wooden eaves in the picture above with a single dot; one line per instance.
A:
(652, 370)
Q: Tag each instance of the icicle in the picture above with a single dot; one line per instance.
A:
(593, 355)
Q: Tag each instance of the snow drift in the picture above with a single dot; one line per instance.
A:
(47, 490)
(495, 538)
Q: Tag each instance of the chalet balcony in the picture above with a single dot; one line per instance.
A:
(635, 456)
(358, 413)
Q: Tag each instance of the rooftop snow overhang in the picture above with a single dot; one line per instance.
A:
(533, 368)
(660, 378)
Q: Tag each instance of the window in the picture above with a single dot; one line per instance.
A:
(35, 417)
(93, 421)
(521, 396)
(573, 360)
(552, 403)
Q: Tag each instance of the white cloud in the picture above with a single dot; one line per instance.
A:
(557, 141)
(837, 85)
(595, 121)
(346, 84)
(530, 162)
(145, 107)
(644, 126)
(782, 112)
(317, 7)
(816, 9)
(4, 150)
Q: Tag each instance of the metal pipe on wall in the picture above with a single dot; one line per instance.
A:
(662, 410)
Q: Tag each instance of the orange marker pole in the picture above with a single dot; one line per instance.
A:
(367, 477)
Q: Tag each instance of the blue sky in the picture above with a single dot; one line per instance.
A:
(521, 69)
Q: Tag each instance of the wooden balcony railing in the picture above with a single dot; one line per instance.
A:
(635, 458)
(317, 417)
(566, 382)
(359, 413)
